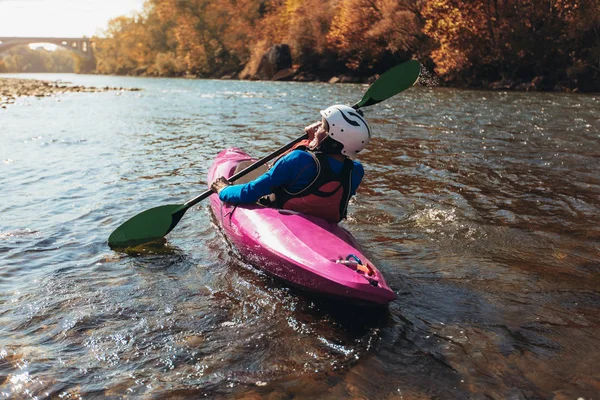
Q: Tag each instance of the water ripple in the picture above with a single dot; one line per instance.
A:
(480, 208)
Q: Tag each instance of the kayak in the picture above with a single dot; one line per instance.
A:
(305, 251)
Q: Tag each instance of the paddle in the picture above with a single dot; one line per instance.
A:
(156, 222)
(395, 80)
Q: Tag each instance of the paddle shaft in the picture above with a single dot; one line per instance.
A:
(382, 87)
(246, 170)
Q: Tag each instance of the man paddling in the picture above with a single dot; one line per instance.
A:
(318, 177)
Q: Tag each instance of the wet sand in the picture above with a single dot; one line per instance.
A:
(12, 88)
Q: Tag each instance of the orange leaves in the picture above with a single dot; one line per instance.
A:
(445, 22)
(510, 39)
(349, 30)
(469, 40)
(125, 47)
(210, 36)
(467, 33)
(364, 31)
(361, 33)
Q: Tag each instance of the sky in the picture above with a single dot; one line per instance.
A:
(61, 18)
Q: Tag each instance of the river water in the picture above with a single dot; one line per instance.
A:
(481, 209)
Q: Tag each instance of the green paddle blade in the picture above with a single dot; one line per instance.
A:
(149, 225)
(392, 82)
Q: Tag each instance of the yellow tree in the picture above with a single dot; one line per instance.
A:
(458, 28)
(302, 24)
(513, 39)
(363, 32)
(349, 34)
(125, 48)
(211, 36)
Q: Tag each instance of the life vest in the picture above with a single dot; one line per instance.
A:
(327, 196)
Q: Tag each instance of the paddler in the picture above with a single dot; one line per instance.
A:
(318, 177)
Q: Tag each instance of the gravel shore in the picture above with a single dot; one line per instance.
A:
(11, 89)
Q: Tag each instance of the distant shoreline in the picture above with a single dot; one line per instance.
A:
(13, 88)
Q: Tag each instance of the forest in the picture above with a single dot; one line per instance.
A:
(507, 44)
(25, 59)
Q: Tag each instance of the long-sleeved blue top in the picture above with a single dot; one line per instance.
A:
(294, 172)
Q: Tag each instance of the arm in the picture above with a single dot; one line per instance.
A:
(287, 171)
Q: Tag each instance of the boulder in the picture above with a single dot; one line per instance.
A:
(277, 58)
(286, 74)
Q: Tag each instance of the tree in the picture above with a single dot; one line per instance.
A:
(365, 32)
(127, 48)
(25, 59)
(209, 36)
(474, 42)
(510, 39)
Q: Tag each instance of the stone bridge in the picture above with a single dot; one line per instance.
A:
(81, 46)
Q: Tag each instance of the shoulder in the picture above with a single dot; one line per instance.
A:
(358, 170)
(298, 157)
(301, 155)
(294, 161)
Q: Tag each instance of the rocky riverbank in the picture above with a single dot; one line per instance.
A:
(11, 89)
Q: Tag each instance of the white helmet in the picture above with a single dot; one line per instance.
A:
(347, 126)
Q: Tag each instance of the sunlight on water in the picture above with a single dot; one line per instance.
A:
(480, 209)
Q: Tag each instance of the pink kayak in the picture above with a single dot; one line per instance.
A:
(305, 251)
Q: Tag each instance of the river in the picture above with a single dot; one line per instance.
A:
(481, 209)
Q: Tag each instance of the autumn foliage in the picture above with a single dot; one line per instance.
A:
(24, 59)
(556, 40)
(555, 43)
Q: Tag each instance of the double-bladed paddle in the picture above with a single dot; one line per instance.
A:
(156, 222)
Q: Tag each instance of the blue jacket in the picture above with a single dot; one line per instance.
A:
(294, 172)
